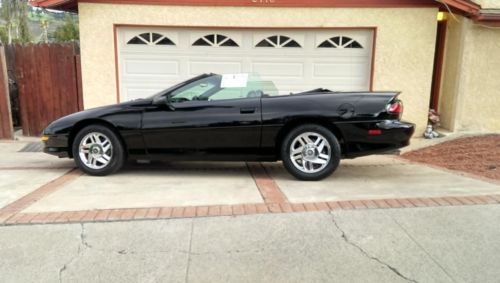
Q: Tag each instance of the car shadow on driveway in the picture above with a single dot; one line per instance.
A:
(186, 168)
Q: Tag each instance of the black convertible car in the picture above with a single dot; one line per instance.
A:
(233, 118)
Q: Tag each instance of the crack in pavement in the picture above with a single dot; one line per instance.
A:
(189, 253)
(78, 253)
(392, 268)
(83, 236)
(422, 248)
(83, 245)
(86, 244)
(228, 252)
(125, 252)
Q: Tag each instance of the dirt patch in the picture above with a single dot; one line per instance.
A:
(478, 155)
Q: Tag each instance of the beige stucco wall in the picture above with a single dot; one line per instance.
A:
(470, 98)
(479, 97)
(404, 47)
(450, 81)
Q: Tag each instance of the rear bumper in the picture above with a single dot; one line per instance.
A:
(376, 137)
(396, 131)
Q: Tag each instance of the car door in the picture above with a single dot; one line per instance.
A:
(204, 120)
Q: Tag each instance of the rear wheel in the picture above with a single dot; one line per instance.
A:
(98, 151)
(310, 152)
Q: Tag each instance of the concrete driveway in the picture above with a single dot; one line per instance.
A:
(36, 188)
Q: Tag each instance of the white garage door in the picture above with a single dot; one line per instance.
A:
(152, 59)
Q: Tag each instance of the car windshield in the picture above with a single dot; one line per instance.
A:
(221, 87)
(176, 86)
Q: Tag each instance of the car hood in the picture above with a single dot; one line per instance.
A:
(62, 124)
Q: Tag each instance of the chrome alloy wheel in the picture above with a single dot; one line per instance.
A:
(95, 150)
(310, 152)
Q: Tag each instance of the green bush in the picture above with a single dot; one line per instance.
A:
(67, 31)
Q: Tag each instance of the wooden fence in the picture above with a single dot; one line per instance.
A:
(6, 128)
(49, 82)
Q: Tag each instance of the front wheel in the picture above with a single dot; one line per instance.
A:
(98, 151)
(310, 152)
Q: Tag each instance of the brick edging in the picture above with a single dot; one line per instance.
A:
(127, 214)
(18, 205)
(268, 188)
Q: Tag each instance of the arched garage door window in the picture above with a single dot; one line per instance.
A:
(215, 40)
(150, 38)
(340, 42)
(278, 41)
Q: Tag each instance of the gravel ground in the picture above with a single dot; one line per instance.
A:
(478, 155)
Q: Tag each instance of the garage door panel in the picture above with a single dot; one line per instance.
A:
(342, 59)
(342, 53)
(279, 69)
(335, 84)
(340, 70)
(147, 67)
(347, 83)
(200, 67)
(141, 92)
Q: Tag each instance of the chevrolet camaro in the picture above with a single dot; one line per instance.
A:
(234, 117)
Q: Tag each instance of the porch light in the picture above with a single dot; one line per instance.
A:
(441, 16)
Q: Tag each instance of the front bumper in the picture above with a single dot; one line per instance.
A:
(56, 145)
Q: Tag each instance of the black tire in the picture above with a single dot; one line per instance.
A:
(116, 152)
(331, 164)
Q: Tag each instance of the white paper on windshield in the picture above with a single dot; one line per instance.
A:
(234, 80)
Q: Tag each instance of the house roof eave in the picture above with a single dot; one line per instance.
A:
(73, 4)
(467, 8)
(489, 17)
(63, 5)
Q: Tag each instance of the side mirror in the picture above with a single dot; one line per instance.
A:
(163, 101)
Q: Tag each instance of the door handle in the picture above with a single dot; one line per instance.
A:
(247, 110)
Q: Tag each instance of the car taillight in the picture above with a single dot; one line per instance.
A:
(395, 107)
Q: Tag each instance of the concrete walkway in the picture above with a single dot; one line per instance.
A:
(440, 244)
